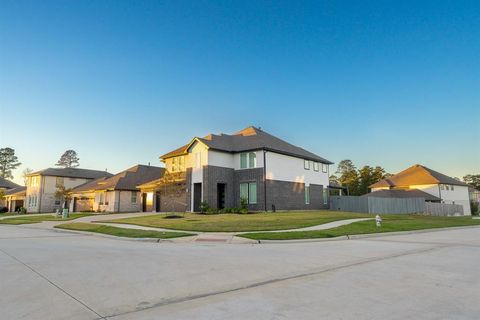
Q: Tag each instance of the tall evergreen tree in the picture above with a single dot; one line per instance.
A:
(69, 159)
(8, 162)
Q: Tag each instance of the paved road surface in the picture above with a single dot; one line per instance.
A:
(51, 274)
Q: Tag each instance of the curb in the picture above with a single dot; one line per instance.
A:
(366, 236)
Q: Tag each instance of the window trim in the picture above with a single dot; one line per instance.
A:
(247, 157)
(306, 164)
(133, 197)
(316, 166)
(324, 168)
(306, 192)
(249, 191)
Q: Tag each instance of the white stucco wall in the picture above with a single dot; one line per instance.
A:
(286, 168)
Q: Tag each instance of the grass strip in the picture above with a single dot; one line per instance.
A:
(121, 232)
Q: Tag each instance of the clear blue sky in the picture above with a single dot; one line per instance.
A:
(122, 82)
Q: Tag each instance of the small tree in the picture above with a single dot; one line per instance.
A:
(473, 180)
(25, 174)
(69, 159)
(8, 162)
(64, 195)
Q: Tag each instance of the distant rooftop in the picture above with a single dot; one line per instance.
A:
(248, 139)
(72, 173)
(126, 180)
(416, 175)
(7, 184)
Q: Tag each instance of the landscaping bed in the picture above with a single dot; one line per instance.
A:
(121, 232)
(242, 222)
(390, 223)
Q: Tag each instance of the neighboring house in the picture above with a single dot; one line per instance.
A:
(42, 186)
(15, 198)
(474, 194)
(266, 171)
(118, 193)
(447, 189)
(402, 194)
(6, 185)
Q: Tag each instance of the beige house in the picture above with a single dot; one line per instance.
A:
(118, 193)
(445, 189)
(42, 186)
(6, 185)
(15, 198)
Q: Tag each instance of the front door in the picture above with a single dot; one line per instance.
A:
(144, 202)
(220, 195)
(197, 196)
(157, 202)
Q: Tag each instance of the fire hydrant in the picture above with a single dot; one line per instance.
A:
(378, 220)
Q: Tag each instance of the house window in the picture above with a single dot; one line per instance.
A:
(248, 160)
(306, 164)
(59, 182)
(325, 196)
(447, 187)
(134, 197)
(248, 191)
(316, 166)
(451, 187)
(174, 164)
(32, 201)
(198, 160)
(57, 201)
(442, 187)
(33, 181)
(101, 198)
(307, 195)
(324, 167)
(181, 163)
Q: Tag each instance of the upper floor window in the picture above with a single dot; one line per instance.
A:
(178, 164)
(447, 187)
(324, 167)
(59, 182)
(451, 187)
(198, 160)
(34, 181)
(442, 187)
(316, 166)
(306, 164)
(248, 160)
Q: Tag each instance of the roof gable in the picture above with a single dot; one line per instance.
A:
(249, 139)
(417, 175)
(7, 184)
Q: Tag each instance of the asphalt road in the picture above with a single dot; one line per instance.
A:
(47, 274)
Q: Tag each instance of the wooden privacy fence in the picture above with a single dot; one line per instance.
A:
(393, 206)
(443, 209)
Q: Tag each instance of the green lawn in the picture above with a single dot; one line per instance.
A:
(241, 222)
(25, 219)
(121, 232)
(390, 223)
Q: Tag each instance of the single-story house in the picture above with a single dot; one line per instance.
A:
(43, 185)
(118, 193)
(15, 198)
(6, 185)
(268, 173)
(447, 189)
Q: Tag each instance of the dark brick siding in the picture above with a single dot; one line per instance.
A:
(291, 196)
(250, 175)
(212, 176)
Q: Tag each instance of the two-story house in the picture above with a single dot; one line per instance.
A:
(42, 186)
(444, 188)
(269, 173)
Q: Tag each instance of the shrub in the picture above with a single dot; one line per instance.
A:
(3, 209)
(212, 211)
(243, 210)
(204, 207)
(474, 206)
(22, 210)
(227, 210)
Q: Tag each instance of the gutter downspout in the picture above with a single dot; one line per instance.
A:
(265, 179)
(440, 193)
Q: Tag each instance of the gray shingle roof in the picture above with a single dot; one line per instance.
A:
(125, 180)
(402, 193)
(16, 191)
(415, 175)
(72, 173)
(7, 184)
(249, 139)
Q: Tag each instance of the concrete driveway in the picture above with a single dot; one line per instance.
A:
(52, 274)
